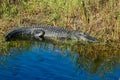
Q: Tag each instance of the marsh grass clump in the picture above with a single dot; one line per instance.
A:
(99, 18)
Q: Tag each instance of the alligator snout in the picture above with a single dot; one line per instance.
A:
(84, 36)
(88, 38)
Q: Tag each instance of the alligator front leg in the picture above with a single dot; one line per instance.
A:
(39, 34)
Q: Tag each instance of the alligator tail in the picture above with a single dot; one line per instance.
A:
(11, 33)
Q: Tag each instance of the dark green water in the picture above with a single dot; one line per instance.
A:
(31, 60)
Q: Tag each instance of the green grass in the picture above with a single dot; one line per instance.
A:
(99, 18)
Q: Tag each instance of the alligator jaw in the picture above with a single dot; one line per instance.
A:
(83, 36)
(91, 39)
(88, 38)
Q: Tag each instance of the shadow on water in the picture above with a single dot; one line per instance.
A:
(60, 60)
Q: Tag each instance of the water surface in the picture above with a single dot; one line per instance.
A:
(32, 60)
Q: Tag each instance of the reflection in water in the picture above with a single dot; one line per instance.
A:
(58, 60)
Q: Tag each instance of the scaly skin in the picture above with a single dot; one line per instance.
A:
(39, 32)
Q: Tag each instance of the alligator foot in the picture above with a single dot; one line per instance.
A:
(39, 35)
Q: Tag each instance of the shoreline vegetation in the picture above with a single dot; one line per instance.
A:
(99, 18)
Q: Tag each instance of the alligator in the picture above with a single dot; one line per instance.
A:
(42, 32)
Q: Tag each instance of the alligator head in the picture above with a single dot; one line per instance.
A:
(83, 36)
